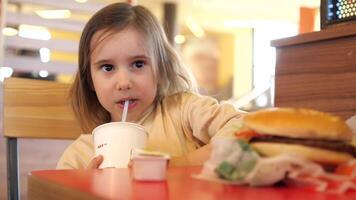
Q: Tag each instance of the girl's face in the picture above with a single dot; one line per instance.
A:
(122, 69)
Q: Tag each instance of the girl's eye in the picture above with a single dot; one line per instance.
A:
(139, 64)
(107, 67)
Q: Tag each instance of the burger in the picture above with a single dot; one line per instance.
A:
(317, 136)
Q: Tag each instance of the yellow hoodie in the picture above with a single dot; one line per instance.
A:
(179, 124)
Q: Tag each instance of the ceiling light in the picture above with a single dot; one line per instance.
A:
(5, 72)
(53, 14)
(43, 73)
(45, 55)
(8, 31)
(179, 39)
(34, 32)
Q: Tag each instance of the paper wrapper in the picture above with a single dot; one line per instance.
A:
(337, 183)
(268, 171)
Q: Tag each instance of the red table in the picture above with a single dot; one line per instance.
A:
(117, 184)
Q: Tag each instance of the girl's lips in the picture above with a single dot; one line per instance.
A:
(132, 103)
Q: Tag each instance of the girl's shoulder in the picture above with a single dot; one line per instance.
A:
(83, 141)
(183, 98)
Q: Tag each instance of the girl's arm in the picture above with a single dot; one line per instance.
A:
(205, 118)
(195, 158)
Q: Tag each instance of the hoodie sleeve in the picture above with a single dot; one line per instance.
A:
(78, 154)
(207, 118)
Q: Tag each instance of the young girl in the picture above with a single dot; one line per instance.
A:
(124, 55)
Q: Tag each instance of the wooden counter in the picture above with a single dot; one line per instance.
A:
(318, 70)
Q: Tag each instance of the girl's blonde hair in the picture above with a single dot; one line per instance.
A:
(171, 76)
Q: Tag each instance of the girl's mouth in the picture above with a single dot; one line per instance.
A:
(132, 102)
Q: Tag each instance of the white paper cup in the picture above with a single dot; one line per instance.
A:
(115, 141)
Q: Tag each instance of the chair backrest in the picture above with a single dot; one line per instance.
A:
(34, 109)
(38, 109)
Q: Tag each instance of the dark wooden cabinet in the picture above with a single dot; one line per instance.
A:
(318, 70)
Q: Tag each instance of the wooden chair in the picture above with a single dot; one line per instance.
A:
(34, 109)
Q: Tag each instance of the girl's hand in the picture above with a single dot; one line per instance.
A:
(95, 163)
(130, 164)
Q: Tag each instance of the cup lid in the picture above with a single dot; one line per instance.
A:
(113, 123)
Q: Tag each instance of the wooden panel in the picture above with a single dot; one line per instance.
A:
(335, 93)
(329, 56)
(315, 86)
(38, 109)
(342, 107)
(318, 70)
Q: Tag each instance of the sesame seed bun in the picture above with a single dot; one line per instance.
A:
(298, 123)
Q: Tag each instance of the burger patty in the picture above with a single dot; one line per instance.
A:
(324, 144)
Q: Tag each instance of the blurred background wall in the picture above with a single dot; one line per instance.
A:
(228, 40)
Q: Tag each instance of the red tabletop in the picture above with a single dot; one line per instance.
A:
(118, 184)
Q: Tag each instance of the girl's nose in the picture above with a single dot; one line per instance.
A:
(124, 81)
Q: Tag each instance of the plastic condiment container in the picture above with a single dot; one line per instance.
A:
(149, 165)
